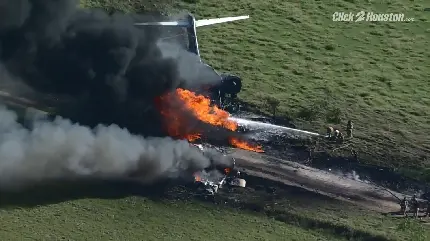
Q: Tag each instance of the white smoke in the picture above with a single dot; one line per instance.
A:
(353, 175)
(350, 175)
(60, 149)
(211, 176)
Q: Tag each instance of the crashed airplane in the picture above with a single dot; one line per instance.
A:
(213, 178)
(229, 85)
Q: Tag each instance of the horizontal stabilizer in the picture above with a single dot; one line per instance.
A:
(205, 22)
(171, 23)
(199, 23)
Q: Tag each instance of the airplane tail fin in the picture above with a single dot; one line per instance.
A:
(190, 23)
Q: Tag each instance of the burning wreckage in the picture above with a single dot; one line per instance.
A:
(224, 173)
(205, 108)
(185, 113)
(209, 117)
(229, 85)
(203, 104)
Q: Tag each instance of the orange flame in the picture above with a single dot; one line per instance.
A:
(193, 137)
(201, 108)
(243, 145)
(197, 178)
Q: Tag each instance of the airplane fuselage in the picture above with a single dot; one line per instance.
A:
(229, 85)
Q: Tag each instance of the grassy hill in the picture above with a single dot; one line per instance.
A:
(325, 73)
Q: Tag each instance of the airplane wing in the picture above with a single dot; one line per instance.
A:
(198, 23)
(169, 23)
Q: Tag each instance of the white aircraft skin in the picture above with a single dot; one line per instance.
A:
(198, 23)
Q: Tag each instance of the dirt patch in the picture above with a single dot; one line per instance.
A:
(326, 183)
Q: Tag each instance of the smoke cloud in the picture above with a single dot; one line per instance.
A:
(59, 149)
(101, 71)
(107, 69)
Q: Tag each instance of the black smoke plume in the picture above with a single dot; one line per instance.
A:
(98, 70)
(100, 67)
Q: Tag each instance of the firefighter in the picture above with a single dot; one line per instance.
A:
(403, 206)
(349, 128)
(415, 206)
(335, 135)
(330, 132)
(338, 136)
(309, 150)
(428, 209)
(341, 137)
(355, 154)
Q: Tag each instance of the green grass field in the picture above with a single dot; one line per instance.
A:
(97, 211)
(376, 74)
(140, 219)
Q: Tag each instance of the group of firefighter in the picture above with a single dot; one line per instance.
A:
(405, 205)
(336, 135)
(414, 206)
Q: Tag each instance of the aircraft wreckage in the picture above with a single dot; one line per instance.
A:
(224, 172)
(211, 179)
(217, 176)
(229, 85)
